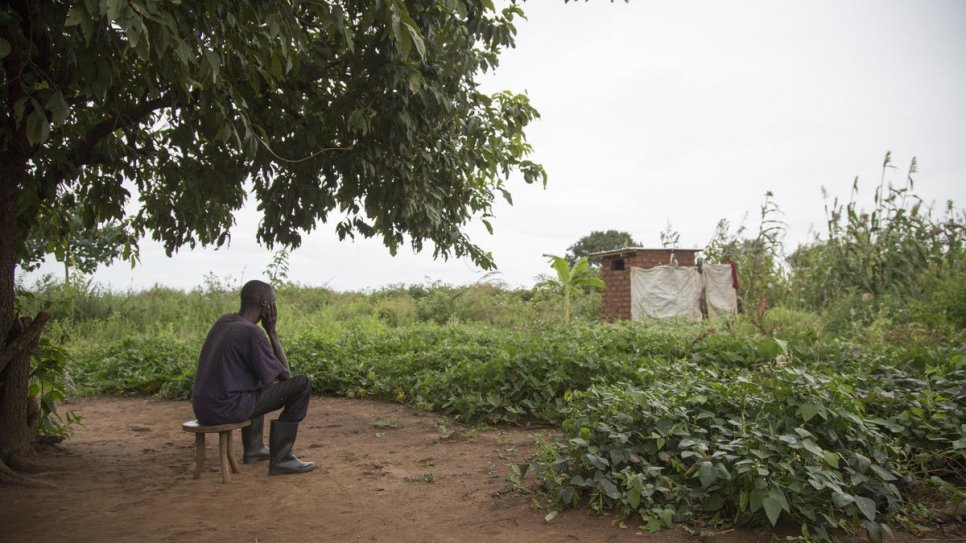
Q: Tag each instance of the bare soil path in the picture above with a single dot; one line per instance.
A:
(387, 473)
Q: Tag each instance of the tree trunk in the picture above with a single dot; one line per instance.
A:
(18, 412)
(566, 303)
(18, 424)
(17, 339)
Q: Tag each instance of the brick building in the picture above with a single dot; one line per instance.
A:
(615, 271)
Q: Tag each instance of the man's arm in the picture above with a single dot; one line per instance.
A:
(269, 319)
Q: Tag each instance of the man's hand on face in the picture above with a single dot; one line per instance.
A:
(269, 316)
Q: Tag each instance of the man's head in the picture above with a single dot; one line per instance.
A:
(257, 295)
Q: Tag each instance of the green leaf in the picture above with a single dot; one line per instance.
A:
(417, 40)
(634, 496)
(75, 15)
(883, 473)
(831, 458)
(808, 410)
(57, 108)
(38, 128)
(874, 531)
(113, 8)
(866, 506)
(756, 499)
(550, 516)
(773, 508)
(713, 503)
(667, 517)
(610, 489)
(4, 48)
(707, 474)
(811, 447)
(214, 62)
(840, 499)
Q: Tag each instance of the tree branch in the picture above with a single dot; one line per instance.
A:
(26, 337)
(80, 153)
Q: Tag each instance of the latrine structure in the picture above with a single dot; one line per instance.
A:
(615, 271)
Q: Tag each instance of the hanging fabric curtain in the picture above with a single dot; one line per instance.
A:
(720, 293)
(666, 291)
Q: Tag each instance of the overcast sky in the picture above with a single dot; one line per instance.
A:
(674, 111)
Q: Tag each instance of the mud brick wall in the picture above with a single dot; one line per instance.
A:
(615, 298)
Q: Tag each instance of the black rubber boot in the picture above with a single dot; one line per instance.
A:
(255, 448)
(281, 437)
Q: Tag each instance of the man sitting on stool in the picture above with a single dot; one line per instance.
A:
(236, 380)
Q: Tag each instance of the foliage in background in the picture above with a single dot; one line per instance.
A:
(761, 419)
(572, 278)
(898, 258)
(65, 236)
(666, 422)
(670, 238)
(759, 261)
(598, 241)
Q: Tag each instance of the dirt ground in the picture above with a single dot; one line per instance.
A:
(386, 473)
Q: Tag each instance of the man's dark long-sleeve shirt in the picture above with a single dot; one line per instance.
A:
(235, 362)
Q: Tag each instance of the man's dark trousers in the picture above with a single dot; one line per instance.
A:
(292, 395)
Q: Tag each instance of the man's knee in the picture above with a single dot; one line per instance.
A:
(302, 384)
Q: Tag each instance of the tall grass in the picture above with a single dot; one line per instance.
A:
(898, 253)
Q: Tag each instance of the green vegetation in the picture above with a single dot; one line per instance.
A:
(599, 241)
(828, 405)
(572, 277)
(666, 422)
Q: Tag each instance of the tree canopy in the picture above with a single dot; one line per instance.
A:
(598, 241)
(364, 114)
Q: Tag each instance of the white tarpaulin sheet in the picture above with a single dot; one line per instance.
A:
(720, 293)
(665, 291)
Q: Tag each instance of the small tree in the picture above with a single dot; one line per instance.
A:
(571, 278)
(77, 247)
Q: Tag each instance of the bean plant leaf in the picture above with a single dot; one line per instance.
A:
(866, 506)
(773, 508)
(707, 474)
(874, 531)
(831, 458)
(610, 489)
(756, 499)
(634, 496)
(885, 474)
(840, 499)
(808, 410)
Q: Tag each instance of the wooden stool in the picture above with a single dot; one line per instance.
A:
(228, 463)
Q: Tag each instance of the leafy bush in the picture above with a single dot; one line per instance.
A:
(159, 366)
(748, 447)
(48, 383)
